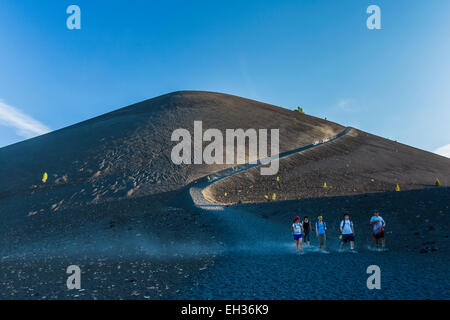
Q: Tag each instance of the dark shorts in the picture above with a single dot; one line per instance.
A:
(348, 237)
(297, 236)
(306, 236)
(379, 235)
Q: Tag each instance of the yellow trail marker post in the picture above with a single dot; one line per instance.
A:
(397, 187)
(45, 177)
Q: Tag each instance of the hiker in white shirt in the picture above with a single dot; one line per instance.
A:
(348, 232)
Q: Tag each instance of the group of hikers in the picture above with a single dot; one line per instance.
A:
(302, 230)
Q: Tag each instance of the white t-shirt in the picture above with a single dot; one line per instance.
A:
(297, 228)
(346, 226)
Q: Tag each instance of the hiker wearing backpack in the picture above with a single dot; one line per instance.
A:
(378, 228)
(297, 233)
(306, 225)
(321, 228)
(348, 232)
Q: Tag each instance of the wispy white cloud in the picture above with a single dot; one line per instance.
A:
(250, 84)
(347, 105)
(25, 126)
(443, 151)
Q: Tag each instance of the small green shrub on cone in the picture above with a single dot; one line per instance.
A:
(300, 109)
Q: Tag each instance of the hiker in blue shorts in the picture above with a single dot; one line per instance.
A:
(297, 233)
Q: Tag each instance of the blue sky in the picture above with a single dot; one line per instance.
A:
(393, 82)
